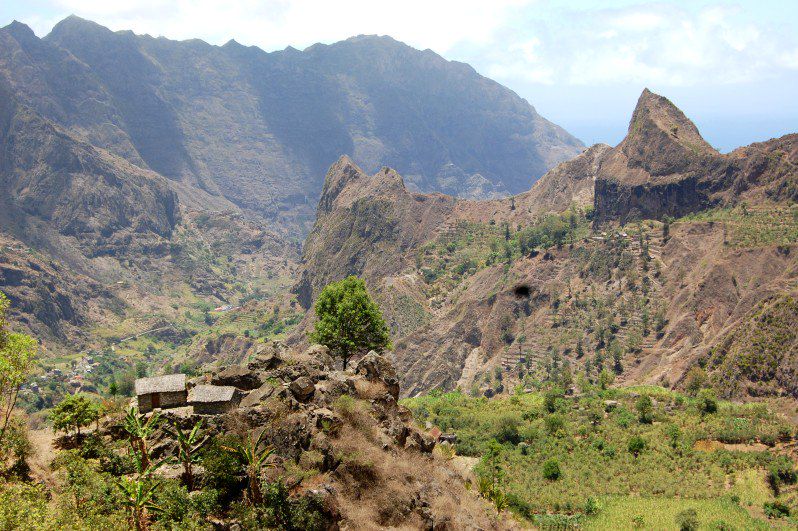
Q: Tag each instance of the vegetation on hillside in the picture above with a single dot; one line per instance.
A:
(594, 459)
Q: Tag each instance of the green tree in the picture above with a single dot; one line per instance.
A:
(605, 379)
(17, 354)
(551, 470)
(707, 401)
(687, 520)
(491, 476)
(74, 412)
(138, 498)
(636, 445)
(349, 322)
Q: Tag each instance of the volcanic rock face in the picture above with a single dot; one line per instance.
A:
(665, 168)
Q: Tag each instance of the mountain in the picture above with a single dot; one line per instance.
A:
(487, 295)
(259, 129)
(665, 168)
(173, 177)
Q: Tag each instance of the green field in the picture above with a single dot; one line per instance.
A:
(590, 437)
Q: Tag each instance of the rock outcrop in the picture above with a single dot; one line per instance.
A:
(665, 168)
(359, 448)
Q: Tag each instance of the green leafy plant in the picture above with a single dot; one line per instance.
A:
(74, 412)
(188, 446)
(255, 459)
(139, 428)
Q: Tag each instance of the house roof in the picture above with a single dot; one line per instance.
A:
(170, 383)
(211, 393)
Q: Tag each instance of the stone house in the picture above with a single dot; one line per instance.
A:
(161, 392)
(213, 399)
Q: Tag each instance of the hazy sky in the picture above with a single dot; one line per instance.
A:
(732, 66)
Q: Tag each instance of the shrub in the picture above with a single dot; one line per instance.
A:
(551, 470)
(591, 506)
(781, 472)
(707, 401)
(554, 424)
(636, 445)
(687, 520)
(507, 431)
(224, 472)
(551, 399)
(645, 409)
(776, 509)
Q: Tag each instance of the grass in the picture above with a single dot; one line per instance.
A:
(632, 512)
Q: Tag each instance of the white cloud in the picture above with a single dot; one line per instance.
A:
(650, 44)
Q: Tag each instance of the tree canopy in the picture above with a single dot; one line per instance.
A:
(349, 321)
(17, 354)
(74, 412)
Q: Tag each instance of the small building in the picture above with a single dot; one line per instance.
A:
(161, 392)
(213, 399)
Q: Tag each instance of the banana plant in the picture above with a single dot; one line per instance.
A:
(138, 497)
(255, 460)
(140, 428)
(188, 446)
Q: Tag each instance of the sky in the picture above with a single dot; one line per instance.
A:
(731, 66)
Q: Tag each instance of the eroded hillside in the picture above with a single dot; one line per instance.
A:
(646, 278)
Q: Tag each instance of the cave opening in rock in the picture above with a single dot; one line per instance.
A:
(522, 291)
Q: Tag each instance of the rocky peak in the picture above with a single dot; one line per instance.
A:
(75, 26)
(661, 139)
(20, 31)
(344, 172)
(340, 174)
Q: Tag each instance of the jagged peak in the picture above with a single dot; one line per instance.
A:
(19, 30)
(344, 172)
(655, 112)
(341, 173)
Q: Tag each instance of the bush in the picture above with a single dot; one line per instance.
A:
(781, 472)
(223, 471)
(551, 399)
(776, 509)
(636, 445)
(645, 409)
(554, 424)
(687, 520)
(591, 506)
(707, 401)
(507, 431)
(551, 470)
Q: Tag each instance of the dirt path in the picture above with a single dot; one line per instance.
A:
(43, 455)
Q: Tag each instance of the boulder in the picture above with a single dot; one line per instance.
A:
(258, 395)
(237, 376)
(268, 356)
(419, 441)
(302, 388)
(320, 354)
(374, 367)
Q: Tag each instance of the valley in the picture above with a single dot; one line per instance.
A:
(361, 286)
